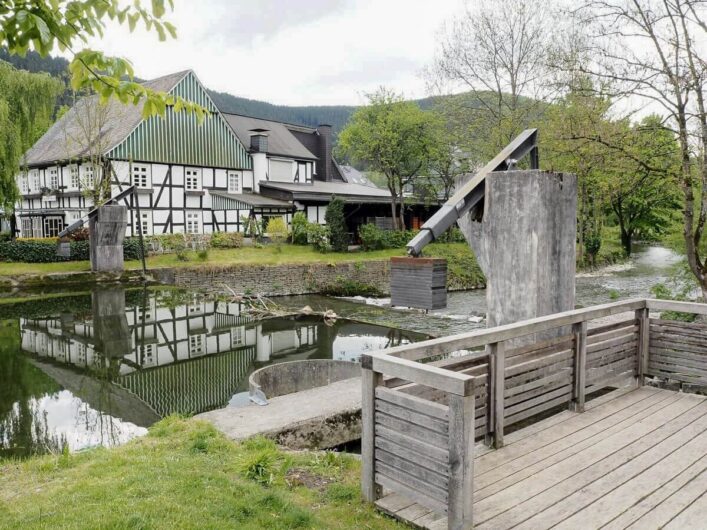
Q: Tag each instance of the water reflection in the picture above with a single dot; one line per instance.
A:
(100, 370)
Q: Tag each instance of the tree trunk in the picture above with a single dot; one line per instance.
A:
(394, 210)
(401, 224)
(626, 240)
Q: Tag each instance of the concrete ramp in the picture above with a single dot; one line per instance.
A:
(319, 418)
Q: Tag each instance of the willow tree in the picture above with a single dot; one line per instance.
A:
(26, 109)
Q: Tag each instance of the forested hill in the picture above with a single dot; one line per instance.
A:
(334, 115)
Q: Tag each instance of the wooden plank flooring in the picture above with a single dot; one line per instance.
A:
(635, 459)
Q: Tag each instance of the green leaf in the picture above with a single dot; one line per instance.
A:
(44, 34)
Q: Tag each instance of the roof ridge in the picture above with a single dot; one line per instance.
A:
(286, 123)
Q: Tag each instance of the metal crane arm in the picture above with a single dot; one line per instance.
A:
(471, 193)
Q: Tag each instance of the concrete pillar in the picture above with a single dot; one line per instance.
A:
(526, 244)
(106, 234)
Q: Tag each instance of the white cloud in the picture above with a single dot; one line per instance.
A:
(295, 53)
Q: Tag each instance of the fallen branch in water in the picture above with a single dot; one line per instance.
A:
(260, 306)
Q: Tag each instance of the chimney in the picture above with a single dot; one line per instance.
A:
(259, 140)
(325, 152)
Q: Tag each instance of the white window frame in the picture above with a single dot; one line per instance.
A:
(192, 223)
(89, 175)
(53, 178)
(192, 179)
(146, 355)
(74, 180)
(52, 226)
(37, 227)
(238, 177)
(35, 184)
(24, 183)
(197, 345)
(141, 176)
(237, 336)
(72, 216)
(144, 220)
(26, 227)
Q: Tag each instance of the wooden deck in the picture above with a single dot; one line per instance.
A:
(634, 459)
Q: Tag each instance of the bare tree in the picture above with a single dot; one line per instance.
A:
(497, 51)
(86, 139)
(653, 54)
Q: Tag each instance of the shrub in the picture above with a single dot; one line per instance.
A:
(5, 236)
(44, 250)
(299, 228)
(277, 230)
(227, 240)
(338, 232)
(374, 238)
(318, 237)
(80, 234)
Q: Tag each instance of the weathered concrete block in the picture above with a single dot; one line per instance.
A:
(106, 235)
(525, 244)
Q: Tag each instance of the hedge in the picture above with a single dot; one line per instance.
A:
(44, 250)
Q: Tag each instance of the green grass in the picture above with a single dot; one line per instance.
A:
(268, 255)
(462, 262)
(185, 474)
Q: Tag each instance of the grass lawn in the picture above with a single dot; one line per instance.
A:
(185, 474)
(268, 255)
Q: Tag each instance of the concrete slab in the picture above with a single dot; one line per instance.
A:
(319, 418)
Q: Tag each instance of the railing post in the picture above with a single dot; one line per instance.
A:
(580, 366)
(496, 393)
(643, 317)
(369, 381)
(461, 461)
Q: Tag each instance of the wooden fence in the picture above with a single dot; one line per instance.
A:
(420, 400)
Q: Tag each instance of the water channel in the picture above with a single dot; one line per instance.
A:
(98, 369)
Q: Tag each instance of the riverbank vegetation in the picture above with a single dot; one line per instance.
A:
(185, 474)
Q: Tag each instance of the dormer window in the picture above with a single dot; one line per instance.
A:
(140, 176)
(234, 182)
(24, 184)
(192, 179)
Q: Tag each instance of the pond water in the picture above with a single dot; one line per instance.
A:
(465, 310)
(80, 371)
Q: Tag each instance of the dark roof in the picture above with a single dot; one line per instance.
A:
(280, 140)
(319, 190)
(253, 199)
(65, 140)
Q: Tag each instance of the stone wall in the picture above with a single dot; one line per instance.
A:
(277, 280)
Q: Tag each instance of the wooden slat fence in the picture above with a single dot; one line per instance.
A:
(424, 404)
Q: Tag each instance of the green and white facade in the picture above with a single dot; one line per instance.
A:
(191, 177)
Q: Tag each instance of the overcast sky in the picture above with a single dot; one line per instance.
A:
(293, 52)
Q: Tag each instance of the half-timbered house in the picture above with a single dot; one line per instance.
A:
(190, 177)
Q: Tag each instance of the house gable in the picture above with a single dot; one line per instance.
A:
(178, 138)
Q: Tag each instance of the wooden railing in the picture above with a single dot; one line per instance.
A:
(421, 400)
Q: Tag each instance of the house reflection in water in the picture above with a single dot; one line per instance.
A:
(166, 352)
